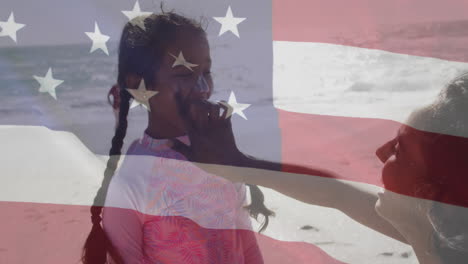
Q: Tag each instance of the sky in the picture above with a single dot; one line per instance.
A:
(56, 22)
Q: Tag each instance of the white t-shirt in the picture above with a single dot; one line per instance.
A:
(160, 208)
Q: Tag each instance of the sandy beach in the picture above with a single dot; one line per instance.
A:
(49, 197)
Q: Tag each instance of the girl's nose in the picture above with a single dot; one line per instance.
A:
(202, 85)
(202, 88)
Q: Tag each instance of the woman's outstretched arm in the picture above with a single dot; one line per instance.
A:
(312, 186)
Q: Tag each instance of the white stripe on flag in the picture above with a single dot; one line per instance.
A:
(336, 80)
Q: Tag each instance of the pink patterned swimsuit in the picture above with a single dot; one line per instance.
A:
(162, 209)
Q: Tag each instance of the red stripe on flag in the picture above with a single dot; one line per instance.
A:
(430, 166)
(342, 144)
(422, 28)
(42, 233)
(54, 233)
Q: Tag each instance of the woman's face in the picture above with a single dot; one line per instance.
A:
(403, 173)
(194, 84)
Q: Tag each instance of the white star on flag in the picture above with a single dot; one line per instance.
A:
(180, 60)
(234, 107)
(136, 12)
(229, 23)
(99, 40)
(48, 83)
(10, 27)
(141, 96)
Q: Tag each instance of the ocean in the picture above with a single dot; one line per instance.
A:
(81, 106)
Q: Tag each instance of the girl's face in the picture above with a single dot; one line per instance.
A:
(194, 84)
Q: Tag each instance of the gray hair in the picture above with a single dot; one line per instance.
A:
(448, 115)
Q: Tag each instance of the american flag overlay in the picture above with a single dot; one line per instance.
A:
(374, 93)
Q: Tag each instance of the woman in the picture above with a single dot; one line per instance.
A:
(167, 213)
(425, 175)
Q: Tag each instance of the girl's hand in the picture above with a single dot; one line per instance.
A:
(210, 133)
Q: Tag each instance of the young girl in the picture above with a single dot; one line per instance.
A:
(425, 175)
(156, 209)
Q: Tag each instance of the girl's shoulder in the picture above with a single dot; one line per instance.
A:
(136, 167)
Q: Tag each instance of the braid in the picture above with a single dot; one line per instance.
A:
(257, 206)
(98, 244)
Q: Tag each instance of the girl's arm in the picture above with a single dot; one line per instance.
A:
(124, 229)
(250, 247)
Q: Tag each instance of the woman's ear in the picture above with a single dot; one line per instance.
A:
(132, 81)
